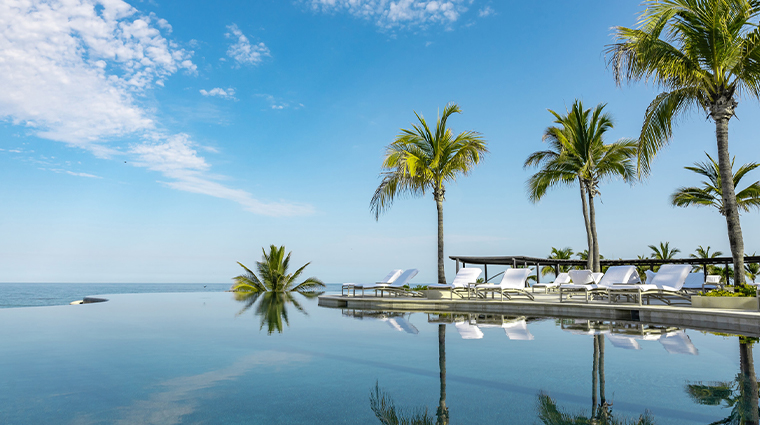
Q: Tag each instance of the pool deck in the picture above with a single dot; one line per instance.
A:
(744, 322)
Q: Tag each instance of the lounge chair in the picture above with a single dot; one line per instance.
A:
(696, 282)
(666, 283)
(622, 341)
(561, 279)
(468, 331)
(397, 286)
(517, 330)
(465, 277)
(392, 276)
(585, 282)
(512, 283)
(678, 343)
(400, 324)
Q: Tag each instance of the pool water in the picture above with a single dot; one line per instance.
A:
(209, 358)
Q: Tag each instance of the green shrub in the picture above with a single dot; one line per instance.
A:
(739, 291)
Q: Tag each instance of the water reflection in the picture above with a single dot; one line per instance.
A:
(395, 320)
(272, 307)
(741, 395)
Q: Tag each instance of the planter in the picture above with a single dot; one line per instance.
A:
(725, 303)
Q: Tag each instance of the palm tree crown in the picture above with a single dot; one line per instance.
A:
(273, 275)
(422, 160)
(558, 254)
(701, 252)
(663, 252)
(711, 192)
(577, 153)
(702, 53)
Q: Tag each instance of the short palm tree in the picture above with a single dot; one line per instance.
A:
(752, 270)
(577, 154)
(558, 254)
(421, 161)
(705, 253)
(662, 252)
(711, 192)
(702, 54)
(273, 275)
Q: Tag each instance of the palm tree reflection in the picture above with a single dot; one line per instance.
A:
(385, 409)
(741, 394)
(272, 307)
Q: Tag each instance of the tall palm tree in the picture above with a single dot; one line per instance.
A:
(273, 275)
(702, 53)
(558, 254)
(663, 252)
(705, 254)
(711, 192)
(577, 153)
(421, 161)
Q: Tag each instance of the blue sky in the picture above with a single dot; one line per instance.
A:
(162, 141)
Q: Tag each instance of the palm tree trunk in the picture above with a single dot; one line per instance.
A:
(594, 378)
(602, 395)
(594, 238)
(439, 205)
(442, 414)
(721, 111)
(747, 385)
(589, 239)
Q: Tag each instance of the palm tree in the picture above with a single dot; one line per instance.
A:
(583, 255)
(272, 307)
(558, 254)
(706, 254)
(420, 160)
(273, 275)
(711, 192)
(663, 252)
(577, 153)
(702, 54)
(752, 270)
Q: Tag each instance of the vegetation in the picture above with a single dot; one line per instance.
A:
(740, 290)
(273, 275)
(702, 54)
(662, 252)
(577, 154)
(385, 410)
(706, 254)
(558, 254)
(711, 192)
(273, 287)
(752, 270)
(421, 161)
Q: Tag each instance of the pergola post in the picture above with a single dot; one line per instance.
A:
(457, 265)
(538, 278)
(485, 266)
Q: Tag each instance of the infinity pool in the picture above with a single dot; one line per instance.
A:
(206, 358)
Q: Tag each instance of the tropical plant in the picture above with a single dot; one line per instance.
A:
(583, 255)
(421, 161)
(387, 413)
(641, 269)
(702, 54)
(662, 252)
(704, 253)
(577, 154)
(741, 395)
(711, 192)
(558, 254)
(273, 275)
(752, 270)
(272, 307)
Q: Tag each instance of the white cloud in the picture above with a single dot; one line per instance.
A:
(242, 51)
(486, 11)
(220, 92)
(176, 158)
(397, 14)
(75, 71)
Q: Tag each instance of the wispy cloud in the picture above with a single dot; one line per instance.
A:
(242, 51)
(220, 92)
(397, 14)
(75, 71)
(277, 104)
(486, 11)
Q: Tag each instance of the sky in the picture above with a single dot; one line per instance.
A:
(166, 140)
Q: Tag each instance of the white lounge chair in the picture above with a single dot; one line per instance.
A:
(678, 343)
(392, 276)
(517, 330)
(585, 282)
(401, 324)
(666, 283)
(468, 331)
(561, 279)
(397, 286)
(622, 341)
(696, 282)
(512, 283)
(465, 277)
